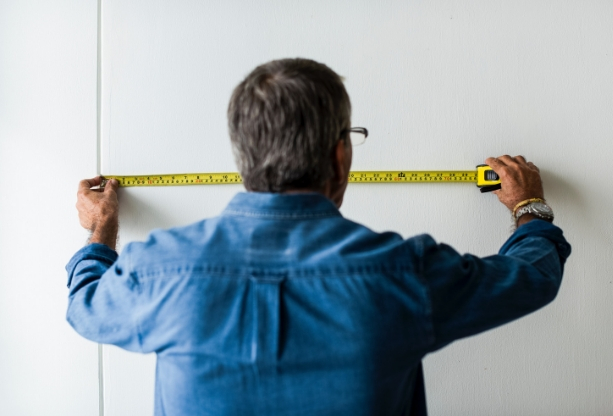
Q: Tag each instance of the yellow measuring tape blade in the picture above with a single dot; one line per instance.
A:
(405, 176)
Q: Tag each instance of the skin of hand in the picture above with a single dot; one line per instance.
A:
(99, 210)
(519, 179)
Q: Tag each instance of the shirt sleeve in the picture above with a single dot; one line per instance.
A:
(471, 294)
(102, 297)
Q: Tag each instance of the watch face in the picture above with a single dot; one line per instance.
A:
(538, 209)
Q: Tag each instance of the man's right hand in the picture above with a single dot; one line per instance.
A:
(519, 180)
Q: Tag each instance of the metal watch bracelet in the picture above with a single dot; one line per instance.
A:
(538, 209)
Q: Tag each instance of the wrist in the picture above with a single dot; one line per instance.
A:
(105, 232)
(525, 219)
(525, 202)
(533, 209)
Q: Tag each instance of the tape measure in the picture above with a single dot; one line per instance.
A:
(485, 178)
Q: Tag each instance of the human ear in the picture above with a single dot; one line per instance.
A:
(339, 161)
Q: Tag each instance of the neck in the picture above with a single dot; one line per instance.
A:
(326, 191)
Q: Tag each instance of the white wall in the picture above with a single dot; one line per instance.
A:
(439, 85)
(47, 143)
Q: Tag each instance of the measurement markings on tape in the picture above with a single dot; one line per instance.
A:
(484, 177)
(413, 176)
(178, 179)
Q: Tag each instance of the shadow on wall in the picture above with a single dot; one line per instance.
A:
(568, 196)
(139, 214)
(143, 209)
(577, 209)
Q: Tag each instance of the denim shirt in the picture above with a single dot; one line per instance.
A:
(280, 306)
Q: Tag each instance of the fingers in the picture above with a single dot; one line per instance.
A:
(521, 160)
(97, 206)
(521, 179)
(86, 184)
(111, 185)
(507, 160)
(494, 163)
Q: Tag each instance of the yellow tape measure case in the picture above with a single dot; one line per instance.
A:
(487, 179)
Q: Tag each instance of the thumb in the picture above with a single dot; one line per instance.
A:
(111, 186)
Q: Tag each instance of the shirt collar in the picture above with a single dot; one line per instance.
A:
(274, 205)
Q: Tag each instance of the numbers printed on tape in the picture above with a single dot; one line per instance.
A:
(412, 176)
(178, 179)
(469, 176)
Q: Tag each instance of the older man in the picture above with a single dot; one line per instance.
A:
(280, 306)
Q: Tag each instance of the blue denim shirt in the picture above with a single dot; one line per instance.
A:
(280, 306)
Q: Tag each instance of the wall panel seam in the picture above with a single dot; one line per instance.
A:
(98, 169)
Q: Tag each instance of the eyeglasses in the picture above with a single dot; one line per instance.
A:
(357, 135)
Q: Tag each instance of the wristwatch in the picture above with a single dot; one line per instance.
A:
(538, 209)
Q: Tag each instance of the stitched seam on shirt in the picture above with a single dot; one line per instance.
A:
(421, 276)
(259, 214)
(223, 268)
(134, 275)
(254, 272)
(139, 332)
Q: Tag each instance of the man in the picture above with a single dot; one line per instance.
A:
(280, 306)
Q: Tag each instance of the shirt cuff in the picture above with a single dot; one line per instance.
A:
(539, 228)
(94, 251)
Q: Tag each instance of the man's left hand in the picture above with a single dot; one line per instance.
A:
(99, 210)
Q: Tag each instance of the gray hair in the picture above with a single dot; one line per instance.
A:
(285, 119)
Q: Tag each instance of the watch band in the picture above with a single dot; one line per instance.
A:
(526, 202)
(538, 209)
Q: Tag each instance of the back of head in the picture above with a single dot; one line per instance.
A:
(285, 118)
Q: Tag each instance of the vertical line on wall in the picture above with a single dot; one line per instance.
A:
(100, 381)
(98, 86)
(98, 169)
